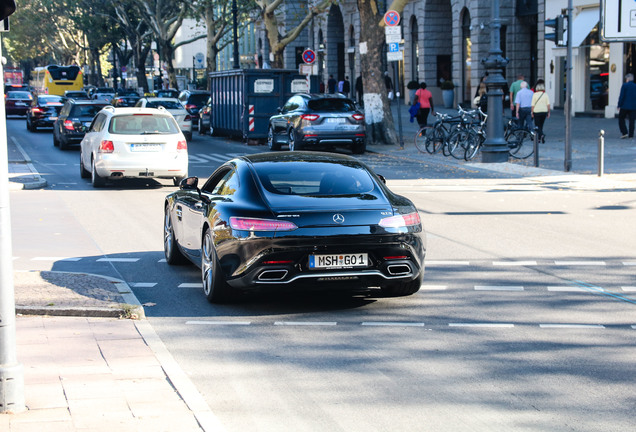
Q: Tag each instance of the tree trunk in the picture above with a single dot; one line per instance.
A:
(377, 111)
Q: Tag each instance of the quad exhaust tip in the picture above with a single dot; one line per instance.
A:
(272, 275)
(398, 269)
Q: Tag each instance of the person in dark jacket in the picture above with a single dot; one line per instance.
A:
(627, 106)
(360, 90)
(331, 84)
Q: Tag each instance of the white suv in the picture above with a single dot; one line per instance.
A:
(174, 107)
(133, 142)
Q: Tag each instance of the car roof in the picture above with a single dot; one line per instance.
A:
(300, 156)
(197, 91)
(89, 102)
(135, 110)
(154, 99)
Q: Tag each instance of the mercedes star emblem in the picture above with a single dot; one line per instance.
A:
(338, 218)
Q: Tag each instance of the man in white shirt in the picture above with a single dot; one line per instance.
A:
(523, 103)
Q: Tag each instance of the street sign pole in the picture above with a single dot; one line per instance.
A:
(567, 162)
(396, 80)
(393, 36)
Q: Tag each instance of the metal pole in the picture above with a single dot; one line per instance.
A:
(11, 372)
(495, 147)
(399, 104)
(568, 96)
(235, 34)
(536, 147)
(601, 152)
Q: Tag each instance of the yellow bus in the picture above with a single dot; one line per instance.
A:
(55, 80)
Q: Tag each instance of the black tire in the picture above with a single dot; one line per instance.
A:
(421, 137)
(84, 173)
(359, 147)
(401, 289)
(520, 143)
(188, 136)
(177, 180)
(97, 180)
(215, 288)
(271, 140)
(473, 144)
(457, 143)
(201, 130)
(435, 140)
(56, 142)
(170, 248)
(63, 145)
(294, 143)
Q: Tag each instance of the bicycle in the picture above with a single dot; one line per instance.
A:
(431, 138)
(516, 137)
(466, 139)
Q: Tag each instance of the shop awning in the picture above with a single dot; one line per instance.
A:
(584, 22)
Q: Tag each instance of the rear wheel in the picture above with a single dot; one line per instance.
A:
(420, 139)
(56, 142)
(402, 288)
(215, 288)
(84, 173)
(294, 143)
(521, 144)
(457, 143)
(96, 179)
(170, 249)
(271, 140)
(358, 147)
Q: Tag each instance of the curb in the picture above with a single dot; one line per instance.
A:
(131, 308)
(38, 181)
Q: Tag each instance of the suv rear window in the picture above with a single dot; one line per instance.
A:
(331, 105)
(142, 124)
(86, 110)
(198, 99)
(166, 104)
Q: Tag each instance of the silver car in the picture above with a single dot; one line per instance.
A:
(308, 121)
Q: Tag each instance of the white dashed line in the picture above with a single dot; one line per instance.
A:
(629, 263)
(191, 285)
(433, 287)
(484, 325)
(498, 288)
(634, 327)
(447, 263)
(130, 260)
(579, 263)
(222, 323)
(629, 288)
(392, 324)
(572, 326)
(55, 259)
(514, 263)
(143, 284)
(163, 260)
(305, 323)
(573, 289)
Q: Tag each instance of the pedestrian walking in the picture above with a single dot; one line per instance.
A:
(627, 107)
(360, 90)
(425, 98)
(346, 87)
(481, 99)
(540, 108)
(331, 84)
(523, 104)
(514, 89)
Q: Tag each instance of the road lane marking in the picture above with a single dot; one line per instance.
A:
(514, 263)
(222, 323)
(498, 288)
(143, 284)
(191, 285)
(572, 326)
(433, 287)
(392, 324)
(305, 323)
(484, 325)
(55, 259)
(579, 263)
(131, 260)
(574, 289)
(441, 263)
(629, 288)
(163, 260)
(629, 263)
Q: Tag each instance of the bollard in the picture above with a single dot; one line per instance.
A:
(601, 152)
(536, 147)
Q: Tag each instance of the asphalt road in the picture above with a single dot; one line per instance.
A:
(526, 320)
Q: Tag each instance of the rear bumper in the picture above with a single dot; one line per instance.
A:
(117, 168)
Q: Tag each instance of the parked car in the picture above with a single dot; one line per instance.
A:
(133, 143)
(304, 220)
(104, 93)
(167, 93)
(125, 98)
(315, 121)
(193, 101)
(75, 94)
(16, 102)
(74, 120)
(205, 115)
(43, 111)
(174, 107)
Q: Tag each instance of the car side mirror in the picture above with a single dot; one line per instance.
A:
(279, 109)
(189, 183)
(382, 178)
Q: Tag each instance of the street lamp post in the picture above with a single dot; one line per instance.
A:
(495, 148)
(235, 34)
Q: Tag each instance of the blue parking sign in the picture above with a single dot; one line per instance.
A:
(394, 47)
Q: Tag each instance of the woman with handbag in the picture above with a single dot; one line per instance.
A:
(425, 99)
(540, 108)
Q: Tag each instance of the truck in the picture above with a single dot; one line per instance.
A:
(13, 77)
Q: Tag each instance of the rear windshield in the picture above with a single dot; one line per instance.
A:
(86, 110)
(165, 104)
(313, 179)
(50, 100)
(64, 72)
(331, 105)
(142, 124)
(75, 95)
(167, 93)
(19, 95)
(198, 99)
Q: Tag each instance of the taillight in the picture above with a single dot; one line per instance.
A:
(36, 110)
(400, 221)
(358, 117)
(106, 147)
(182, 145)
(310, 117)
(251, 224)
(188, 118)
(190, 107)
(68, 124)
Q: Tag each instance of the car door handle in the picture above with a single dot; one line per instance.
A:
(179, 212)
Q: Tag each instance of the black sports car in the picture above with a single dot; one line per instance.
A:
(43, 111)
(301, 220)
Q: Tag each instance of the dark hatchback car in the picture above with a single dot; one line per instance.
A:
(76, 94)
(295, 221)
(17, 102)
(167, 93)
(43, 111)
(308, 121)
(193, 101)
(205, 118)
(74, 120)
(125, 98)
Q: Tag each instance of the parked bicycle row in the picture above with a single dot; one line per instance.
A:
(462, 136)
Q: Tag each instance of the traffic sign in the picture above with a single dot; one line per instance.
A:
(309, 56)
(394, 47)
(393, 34)
(391, 18)
(392, 56)
(618, 21)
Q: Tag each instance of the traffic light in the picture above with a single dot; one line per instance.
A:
(7, 7)
(558, 24)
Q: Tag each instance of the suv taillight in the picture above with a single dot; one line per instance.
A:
(310, 117)
(182, 146)
(68, 124)
(106, 147)
(358, 117)
(188, 118)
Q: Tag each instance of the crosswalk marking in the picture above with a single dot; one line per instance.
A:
(121, 260)
(55, 259)
(571, 326)
(191, 285)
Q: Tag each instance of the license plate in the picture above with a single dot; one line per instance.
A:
(335, 261)
(87, 124)
(145, 147)
(20, 104)
(335, 120)
(52, 118)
